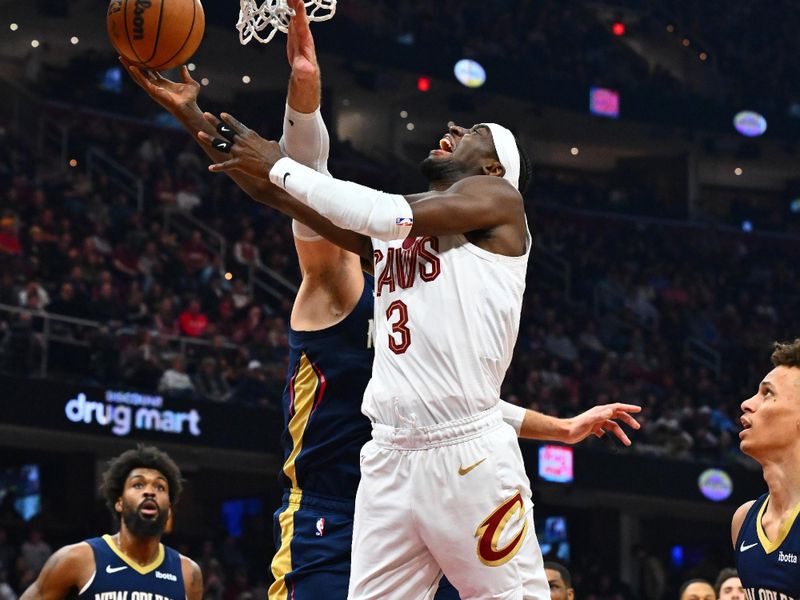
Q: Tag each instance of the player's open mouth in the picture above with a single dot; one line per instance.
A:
(148, 509)
(446, 146)
(745, 425)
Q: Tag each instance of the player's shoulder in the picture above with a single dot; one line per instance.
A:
(75, 554)
(738, 519)
(188, 564)
(70, 565)
(496, 187)
(192, 578)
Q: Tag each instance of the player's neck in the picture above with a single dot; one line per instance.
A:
(440, 186)
(783, 481)
(142, 551)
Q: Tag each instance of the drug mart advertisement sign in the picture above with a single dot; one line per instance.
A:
(53, 405)
(123, 412)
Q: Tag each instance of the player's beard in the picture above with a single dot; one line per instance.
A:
(142, 527)
(444, 170)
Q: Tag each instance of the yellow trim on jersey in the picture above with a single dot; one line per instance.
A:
(282, 561)
(142, 570)
(771, 546)
(305, 384)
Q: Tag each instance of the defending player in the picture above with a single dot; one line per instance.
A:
(140, 487)
(330, 360)
(766, 532)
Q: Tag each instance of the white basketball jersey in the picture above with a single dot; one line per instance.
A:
(446, 321)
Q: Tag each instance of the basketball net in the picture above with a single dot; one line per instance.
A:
(274, 15)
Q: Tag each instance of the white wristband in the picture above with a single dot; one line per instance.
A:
(513, 415)
(346, 204)
(304, 233)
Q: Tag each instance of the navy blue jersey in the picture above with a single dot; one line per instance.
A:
(324, 427)
(768, 569)
(117, 577)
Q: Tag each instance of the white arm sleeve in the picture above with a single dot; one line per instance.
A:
(346, 204)
(306, 140)
(513, 415)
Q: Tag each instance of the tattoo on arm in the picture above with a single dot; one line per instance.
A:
(195, 591)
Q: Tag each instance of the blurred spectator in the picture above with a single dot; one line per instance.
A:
(136, 311)
(209, 382)
(9, 238)
(237, 586)
(22, 345)
(106, 307)
(175, 382)
(696, 589)
(194, 253)
(34, 295)
(193, 323)
(245, 251)
(251, 387)
(188, 198)
(213, 580)
(165, 320)
(35, 551)
(141, 366)
(230, 555)
(559, 580)
(240, 295)
(728, 586)
(6, 592)
(125, 261)
(150, 265)
(65, 303)
(652, 577)
(104, 356)
(558, 344)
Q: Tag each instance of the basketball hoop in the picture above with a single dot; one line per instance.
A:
(274, 15)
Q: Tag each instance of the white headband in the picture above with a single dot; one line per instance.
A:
(507, 152)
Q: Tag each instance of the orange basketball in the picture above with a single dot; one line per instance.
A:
(157, 34)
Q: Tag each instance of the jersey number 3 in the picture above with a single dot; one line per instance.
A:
(400, 338)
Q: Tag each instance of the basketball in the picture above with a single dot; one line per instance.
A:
(157, 34)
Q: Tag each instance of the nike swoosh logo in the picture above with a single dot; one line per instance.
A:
(223, 129)
(285, 177)
(744, 548)
(222, 146)
(462, 471)
(110, 569)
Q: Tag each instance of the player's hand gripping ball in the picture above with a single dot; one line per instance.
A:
(156, 34)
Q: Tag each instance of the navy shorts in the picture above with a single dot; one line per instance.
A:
(313, 535)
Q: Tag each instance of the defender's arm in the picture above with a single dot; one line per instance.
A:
(598, 420)
(69, 569)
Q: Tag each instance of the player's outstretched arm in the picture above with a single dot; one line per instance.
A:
(305, 137)
(69, 569)
(596, 421)
(180, 100)
(305, 88)
(192, 579)
(475, 203)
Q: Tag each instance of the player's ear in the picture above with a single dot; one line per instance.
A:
(168, 526)
(494, 168)
(570, 594)
(118, 505)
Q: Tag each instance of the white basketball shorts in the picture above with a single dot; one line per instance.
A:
(452, 499)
